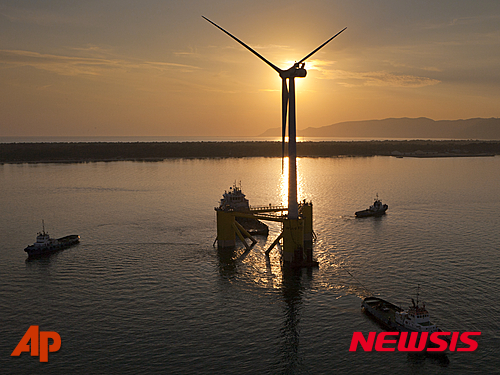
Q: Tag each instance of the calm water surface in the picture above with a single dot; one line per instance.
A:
(145, 291)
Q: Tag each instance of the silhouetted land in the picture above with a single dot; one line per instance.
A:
(153, 151)
(405, 128)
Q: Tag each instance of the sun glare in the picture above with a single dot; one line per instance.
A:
(283, 186)
(300, 83)
(284, 183)
(310, 64)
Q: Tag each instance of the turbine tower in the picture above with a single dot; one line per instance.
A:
(287, 102)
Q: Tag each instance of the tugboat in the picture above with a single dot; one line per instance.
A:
(46, 245)
(415, 319)
(234, 200)
(377, 209)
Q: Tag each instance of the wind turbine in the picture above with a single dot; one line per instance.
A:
(287, 102)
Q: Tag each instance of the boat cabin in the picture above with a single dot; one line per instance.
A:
(416, 318)
(234, 200)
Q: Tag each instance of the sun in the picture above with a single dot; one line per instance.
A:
(302, 83)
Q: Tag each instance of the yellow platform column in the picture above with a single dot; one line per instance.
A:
(306, 210)
(226, 236)
(293, 242)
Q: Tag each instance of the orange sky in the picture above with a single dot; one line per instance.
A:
(156, 68)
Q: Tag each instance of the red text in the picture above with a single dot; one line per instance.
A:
(414, 341)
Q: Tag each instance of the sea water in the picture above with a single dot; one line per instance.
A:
(146, 292)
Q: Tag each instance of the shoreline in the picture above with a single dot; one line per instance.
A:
(91, 152)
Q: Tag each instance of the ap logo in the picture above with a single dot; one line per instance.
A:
(39, 343)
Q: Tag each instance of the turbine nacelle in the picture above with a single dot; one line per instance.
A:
(296, 71)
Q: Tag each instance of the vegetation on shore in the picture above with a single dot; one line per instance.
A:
(151, 151)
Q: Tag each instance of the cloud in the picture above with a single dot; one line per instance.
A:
(395, 80)
(377, 78)
(372, 78)
(461, 21)
(81, 66)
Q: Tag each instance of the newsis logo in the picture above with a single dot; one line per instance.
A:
(435, 342)
(39, 343)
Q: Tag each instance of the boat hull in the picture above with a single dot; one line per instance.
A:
(368, 212)
(59, 244)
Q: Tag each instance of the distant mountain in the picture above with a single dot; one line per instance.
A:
(422, 128)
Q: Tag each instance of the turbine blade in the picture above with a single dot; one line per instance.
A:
(247, 47)
(321, 46)
(284, 109)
